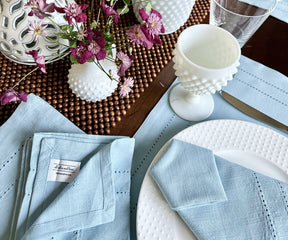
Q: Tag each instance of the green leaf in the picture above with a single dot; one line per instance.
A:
(73, 34)
(109, 51)
(109, 38)
(127, 2)
(73, 43)
(91, 60)
(73, 60)
(148, 7)
(66, 27)
(63, 35)
(94, 24)
(124, 10)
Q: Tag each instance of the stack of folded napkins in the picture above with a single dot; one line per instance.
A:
(61, 185)
(218, 199)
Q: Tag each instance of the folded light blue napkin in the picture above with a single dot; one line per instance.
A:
(33, 116)
(280, 12)
(260, 87)
(203, 191)
(252, 206)
(63, 185)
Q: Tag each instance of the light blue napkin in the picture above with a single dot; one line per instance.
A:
(256, 205)
(33, 116)
(280, 12)
(203, 191)
(89, 206)
(50, 208)
(261, 87)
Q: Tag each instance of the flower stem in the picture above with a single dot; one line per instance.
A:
(98, 64)
(24, 77)
(52, 40)
(110, 59)
(51, 20)
(98, 15)
(91, 9)
(29, 73)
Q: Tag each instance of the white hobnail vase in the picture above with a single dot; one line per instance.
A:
(14, 36)
(174, 12)
(205, 58)
(88, 82)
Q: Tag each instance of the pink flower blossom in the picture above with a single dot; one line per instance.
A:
(39, 8)
(152, 25)
(137, 36)
(125, 63)
(97, 44)
(36, 29)
(82, 53)
(39, 59)
(82, 34)
(126, 87)
(73, 10)
(109, 11)
(96, 50)
(94, 35)
(10, 95)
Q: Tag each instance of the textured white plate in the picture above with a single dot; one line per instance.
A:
(250, 145)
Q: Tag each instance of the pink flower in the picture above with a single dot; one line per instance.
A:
(126, 87)
(40, 60)
(96, 50)
(125, 63)
(39, 8)
(73, 10)
(94, 35)
(97, 45)
(152, 25)
(10, 95)
(109, 11)
(82, 53)
(36, 29)
(137, 36)
(82, 34)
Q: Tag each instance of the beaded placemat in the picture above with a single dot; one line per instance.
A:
(95, 117)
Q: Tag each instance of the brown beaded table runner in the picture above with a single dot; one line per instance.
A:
(95, 117)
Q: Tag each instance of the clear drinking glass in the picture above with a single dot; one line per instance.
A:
(242, 18)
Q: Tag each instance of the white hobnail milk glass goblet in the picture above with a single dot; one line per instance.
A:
(205, 58)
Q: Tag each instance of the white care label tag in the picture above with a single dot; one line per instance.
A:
(62, 170)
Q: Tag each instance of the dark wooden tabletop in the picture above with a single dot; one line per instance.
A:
(267, 46)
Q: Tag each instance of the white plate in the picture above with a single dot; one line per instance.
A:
(250, 145)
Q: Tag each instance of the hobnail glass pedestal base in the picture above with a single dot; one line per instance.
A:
(189, 107)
